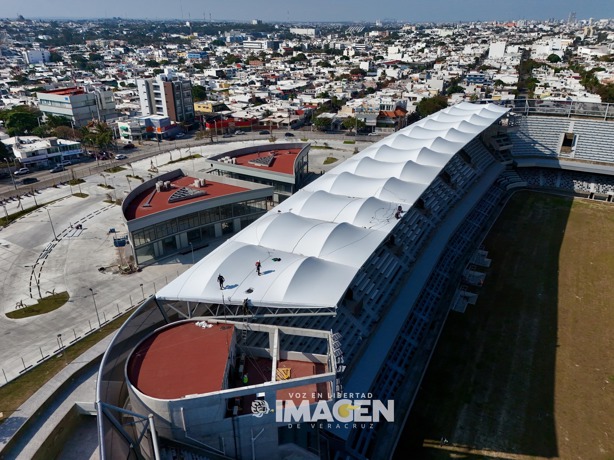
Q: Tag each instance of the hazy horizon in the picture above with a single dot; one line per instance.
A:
(315, 11)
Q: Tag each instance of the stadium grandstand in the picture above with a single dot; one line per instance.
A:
(374, 252)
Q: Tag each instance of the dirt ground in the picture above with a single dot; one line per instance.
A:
(528, 372)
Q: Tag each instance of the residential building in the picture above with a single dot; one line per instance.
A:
(36, 56)
(79, 106)
(35, 152)
(167, 95)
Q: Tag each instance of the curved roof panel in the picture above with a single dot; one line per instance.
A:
(409, 171)
(313, 244)
(368, 212)
(404, 141)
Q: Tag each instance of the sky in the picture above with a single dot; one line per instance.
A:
(312, 10)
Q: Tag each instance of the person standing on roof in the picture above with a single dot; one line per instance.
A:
(220, 279)
(258, 267)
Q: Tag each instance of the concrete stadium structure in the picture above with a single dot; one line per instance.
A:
(372, 252)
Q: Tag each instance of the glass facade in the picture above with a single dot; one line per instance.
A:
(280, 188)
(175, 235)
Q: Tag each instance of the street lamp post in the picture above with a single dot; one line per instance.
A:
(192, 248)
(55, 237)
(114, 190)
(95, 306)
(142, 291)
(8, 165)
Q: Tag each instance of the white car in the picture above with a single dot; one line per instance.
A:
(373, 134)
(21, 171)
(121, 156)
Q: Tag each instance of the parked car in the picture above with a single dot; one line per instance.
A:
(238, 132)
(265, 131)
(66, 162)
(121, 156)
(58, 168)
(227, 135)
(289, 135)
(129, 146)
(373, 134)
(21, 171)
(29, 180)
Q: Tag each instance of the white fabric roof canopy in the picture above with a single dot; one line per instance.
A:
(313, 244)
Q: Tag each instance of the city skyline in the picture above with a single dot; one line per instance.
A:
(315, 11)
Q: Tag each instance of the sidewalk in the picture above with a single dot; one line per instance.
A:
(23, 434)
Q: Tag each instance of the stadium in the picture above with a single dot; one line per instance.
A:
(359, 270)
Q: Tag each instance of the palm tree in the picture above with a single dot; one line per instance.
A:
(97, 134)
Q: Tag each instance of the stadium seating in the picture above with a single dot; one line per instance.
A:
(538, 135)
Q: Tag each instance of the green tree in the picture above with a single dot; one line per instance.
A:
(300, 57)
(456, 88)
(97, 134)
(430, 105)
(66, 132)
(79, 61)
(322, 123)
(352, 123)
(53, 121)
(20, 120)
(54, 56)
(606, 92)
(231, 59)
(40, 131)
(553, 58)
(4, 152)
(199, 93)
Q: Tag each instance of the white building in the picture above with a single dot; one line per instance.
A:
(36, 56)
(33, 151)
(79, 106)
(166, 95)
(496, 50)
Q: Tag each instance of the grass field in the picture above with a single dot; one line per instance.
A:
(528, 372)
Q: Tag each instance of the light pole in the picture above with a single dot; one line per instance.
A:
(60, 343)
(95, 307)
(52, 229)
(114, 190)
(8, 165)
(192, 248)
(142, 290)
(36, 280)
